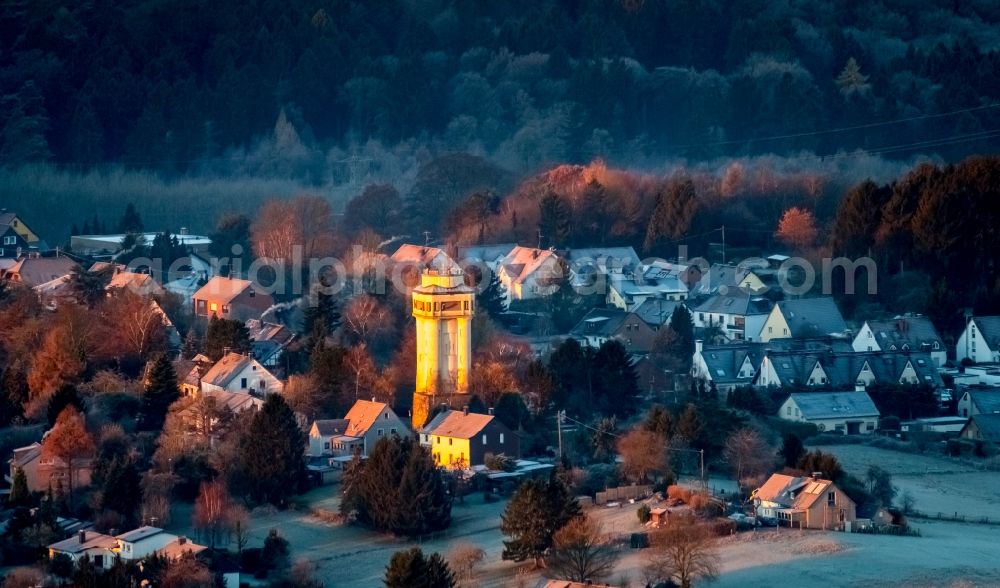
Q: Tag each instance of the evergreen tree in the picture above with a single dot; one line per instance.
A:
(615, 382)
(326, 366)
(89, 286)
(535, 512)
(320, 318)
(682, 324)
(14, 392)
(410, 569)
(161, 391)
(130, 221)
(672, 216)
(225, 334)
(858, 219)
(492, 298)
(553, 219)
(191, 345)
(118, 493)
(18, 489)
(66, 395)
(690, 426)
(595, 217)
(269, 464)
(791, 449)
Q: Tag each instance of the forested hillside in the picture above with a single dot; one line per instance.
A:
(184, 85)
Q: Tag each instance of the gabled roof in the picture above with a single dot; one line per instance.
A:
(912, 331)
(989, 330)
(331, 427)
(187, 372)
(845, 368)
(988, 426)
(227, 368)
(91, 540)
(135, 282)
(826, 405)
(458, 424)
(810, 317)
(423, 257)
(736, 302)
(656, 311)
(265, 331)
(363, 415)
(523, 262)
(222, 289)
(793, 491)
(604, 322)
(985, 401)
(485, 253)
(235, 402)
(604, 258)
(139, 534)
(22, 456)
(34, 271)
(724, 362)
(721, 278)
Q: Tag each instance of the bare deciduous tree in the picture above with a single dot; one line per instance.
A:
(463, 560)
(210, 510)
(749, 455)
(682, 553)
(367, 320)
(581, 552)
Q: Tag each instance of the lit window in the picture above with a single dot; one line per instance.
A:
(484, 439)
(213, 307)
(501, 438)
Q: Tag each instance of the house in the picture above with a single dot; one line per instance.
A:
(16, 238)
(41, 472)
(230, 298)
(735, 313)
(98, 547)
(721, 279)
(236, 372)
(948, 425)
(803, 502)
(973, 402)
(657, 312)
(629, 291)
(208, 413)
(423, 256)
(529, 273)
(804, 317)
(269, 341)
(459, 439)
(688, 273)
(848, 413)
(980, 341)
(811, 367)
(605, 261)
(727, 366)
(488, 255)
(982, 427)
(604, 324)
(903, 333)
(138, 283)
(35, 270)
(145, 541)
(358, 432)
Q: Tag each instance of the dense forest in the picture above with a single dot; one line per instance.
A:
(188, 86)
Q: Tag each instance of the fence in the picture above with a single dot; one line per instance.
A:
(954, 518)
(622, 493)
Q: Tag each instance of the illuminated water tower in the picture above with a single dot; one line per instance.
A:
(443, 306)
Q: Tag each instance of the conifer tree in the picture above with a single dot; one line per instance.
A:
(615, 382)
(119, 493)
(269, 464)
(672, 215)
(493, 298)
(682, 325)
(161, 391)
(225, 334)
(18, 488)
(191, 345)
(130, 221)
(410, 569)
(553, 219)
(537, 510)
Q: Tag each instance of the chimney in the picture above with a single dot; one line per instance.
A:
(226, 351)
(83, 537)
(817, 475)
(182, 540)
(490, 410)
(698, 345)
(184, 231)
(465, 410)
(534, 254)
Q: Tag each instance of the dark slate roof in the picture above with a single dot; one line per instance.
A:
(989, 329)
(844, 369)
(615, 258)
(814, 344)
(725, 361)
(913, 331)
(602, 322)
(720, 277)
(986, 401)
(331, 427)
(657, 311)
(809, 317)
(988, 425)
(735, 302)
(823, 405)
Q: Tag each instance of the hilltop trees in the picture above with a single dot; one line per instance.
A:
(673, 213)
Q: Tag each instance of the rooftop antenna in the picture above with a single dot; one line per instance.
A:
(427, 238)
(539, 239)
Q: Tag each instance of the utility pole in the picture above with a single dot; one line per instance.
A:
(702, 454)
(559, 419)
(723, 244)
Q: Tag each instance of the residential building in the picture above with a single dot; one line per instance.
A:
(135, 282)
(735, 314)
(459, 439)
(423, 257)
(688, 273)
(725, 279)
(903, 333)
(831, 368)
(847, 413)
(601, 325)
(488, 255)
(269, 341)
(605, 261)
(803, 502)
(236, 372)
(98, 547)
(657, 312)
(40, 471)
(529, 273)
(973, 402)
(803, 317)
(109, 245)
(34, 270)
(629, 291)
(980, 341)
(727, 366)
(16, 239)
(982, 427)
(948, 425)
(230, 298)
(358, 432)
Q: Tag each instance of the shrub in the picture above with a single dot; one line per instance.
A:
(679, 493)
(643, 513)
(723, 527)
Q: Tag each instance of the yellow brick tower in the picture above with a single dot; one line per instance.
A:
(443, 306)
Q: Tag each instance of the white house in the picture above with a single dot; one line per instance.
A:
(528, 273)
(975, 402)
(134, 545)
(848, 413)
(356, 433)
(733, 313)
(727, 366)
(236, 372)
(980, 341)
(98, 547)
(903, 333)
